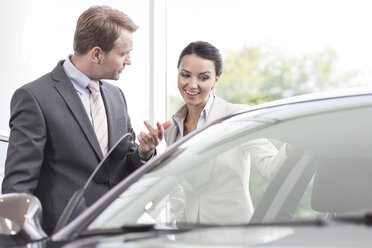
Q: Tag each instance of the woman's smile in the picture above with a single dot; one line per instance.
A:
(192, 93)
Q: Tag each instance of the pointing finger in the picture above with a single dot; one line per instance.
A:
(166, 124)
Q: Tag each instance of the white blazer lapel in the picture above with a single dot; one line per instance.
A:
(218, 109)
(221, 108)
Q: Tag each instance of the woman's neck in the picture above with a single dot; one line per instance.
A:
(193, 114)
(191, 120)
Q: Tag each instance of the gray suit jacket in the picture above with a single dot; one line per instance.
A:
(52, 145)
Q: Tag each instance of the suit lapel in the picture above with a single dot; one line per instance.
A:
(222, 108)
(171, 133)
(217, 110)
(109, 106)
(68, 93)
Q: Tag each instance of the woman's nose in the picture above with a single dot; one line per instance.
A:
(193, 82)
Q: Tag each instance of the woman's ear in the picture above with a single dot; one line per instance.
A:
(215, 82)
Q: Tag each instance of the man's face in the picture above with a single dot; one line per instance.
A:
(113, 62)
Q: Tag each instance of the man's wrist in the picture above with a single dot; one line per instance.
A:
(143, 156)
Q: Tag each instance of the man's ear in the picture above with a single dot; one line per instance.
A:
(96, 54)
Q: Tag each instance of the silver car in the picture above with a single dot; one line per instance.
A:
(319, 193)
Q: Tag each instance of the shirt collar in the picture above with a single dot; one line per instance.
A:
(207, 107)
(180, 115)
(78, 79)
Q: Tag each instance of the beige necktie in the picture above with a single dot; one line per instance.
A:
(98, 115)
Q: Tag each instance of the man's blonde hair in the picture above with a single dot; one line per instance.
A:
(100, 26)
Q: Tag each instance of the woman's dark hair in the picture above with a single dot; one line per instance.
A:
(206, 51)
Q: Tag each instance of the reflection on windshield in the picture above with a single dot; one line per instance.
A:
(274, 173)
(218, 192)
(206, 188)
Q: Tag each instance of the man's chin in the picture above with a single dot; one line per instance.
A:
(116, 77)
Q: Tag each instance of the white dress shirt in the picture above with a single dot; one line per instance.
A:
(201, 122)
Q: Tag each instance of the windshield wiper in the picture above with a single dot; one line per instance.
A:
(360, 219)
(135, 230)
(124, 229)
(149, 228)
(300, 222)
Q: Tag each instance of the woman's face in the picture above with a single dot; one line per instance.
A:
(196, 78)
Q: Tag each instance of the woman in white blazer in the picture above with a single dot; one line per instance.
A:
(199, 69)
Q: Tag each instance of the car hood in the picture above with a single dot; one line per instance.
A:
(347, 235)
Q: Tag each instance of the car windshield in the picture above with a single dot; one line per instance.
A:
(257, 168)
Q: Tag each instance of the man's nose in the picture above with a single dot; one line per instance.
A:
(127, 60)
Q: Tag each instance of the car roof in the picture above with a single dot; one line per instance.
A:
(320, 95)
(303, 105)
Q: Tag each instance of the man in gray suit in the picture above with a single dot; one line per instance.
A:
(53, 144)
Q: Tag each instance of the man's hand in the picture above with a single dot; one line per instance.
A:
(149, 141)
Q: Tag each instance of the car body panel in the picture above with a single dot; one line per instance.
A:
(268, 236)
